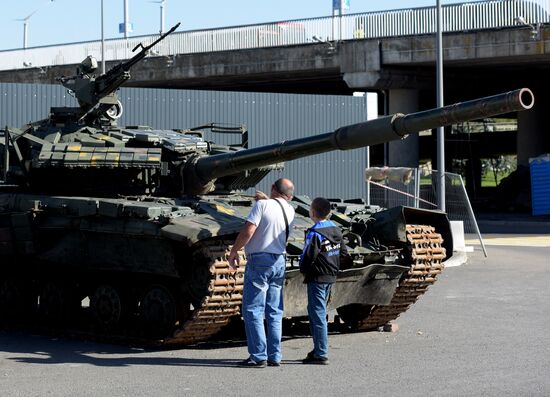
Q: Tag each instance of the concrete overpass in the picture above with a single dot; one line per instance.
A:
(495, 58)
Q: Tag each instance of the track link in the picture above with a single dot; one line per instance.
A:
(223, 301)
(427, 255)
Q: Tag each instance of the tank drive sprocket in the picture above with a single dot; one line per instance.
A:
(427, 255)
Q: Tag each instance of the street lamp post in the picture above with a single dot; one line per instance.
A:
(440, 130)
(102, 41)
(26, 23)
(26, 27)
(126, 19)
(162, 2)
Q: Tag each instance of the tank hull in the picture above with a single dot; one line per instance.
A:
(155, 271)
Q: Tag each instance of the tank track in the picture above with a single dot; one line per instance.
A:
(223, 301)
(224, 289)
(427, 255)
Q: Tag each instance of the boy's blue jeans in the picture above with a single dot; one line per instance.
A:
(317, 298)
(263, 297)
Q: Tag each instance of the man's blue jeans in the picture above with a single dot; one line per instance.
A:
(263, 297)
(317, 298)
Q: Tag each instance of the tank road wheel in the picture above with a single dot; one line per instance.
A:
(158, 310)
(17, 300)
(57, 303)
(106, 307)
(199, 275)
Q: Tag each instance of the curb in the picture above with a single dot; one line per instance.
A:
(458, 258)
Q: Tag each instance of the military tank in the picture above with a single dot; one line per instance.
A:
(123, 232)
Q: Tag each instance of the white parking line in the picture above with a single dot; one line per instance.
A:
(525, 241)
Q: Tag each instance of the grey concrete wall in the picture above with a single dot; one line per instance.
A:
(403, 153)
(533, 129)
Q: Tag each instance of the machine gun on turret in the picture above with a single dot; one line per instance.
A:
(96, 96)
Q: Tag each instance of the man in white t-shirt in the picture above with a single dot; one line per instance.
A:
(264, 237)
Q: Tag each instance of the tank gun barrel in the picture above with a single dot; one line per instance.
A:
(368, 133)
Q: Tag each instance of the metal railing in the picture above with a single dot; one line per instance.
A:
(458, 17)
(418, 190)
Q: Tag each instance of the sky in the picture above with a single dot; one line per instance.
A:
(66, 21)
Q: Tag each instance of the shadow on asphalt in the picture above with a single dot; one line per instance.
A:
(30, 348)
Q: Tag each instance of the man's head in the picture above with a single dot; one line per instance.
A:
(283, 188)
(320, 208)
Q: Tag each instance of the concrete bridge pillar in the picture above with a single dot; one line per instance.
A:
(533, 129)
(403, 153)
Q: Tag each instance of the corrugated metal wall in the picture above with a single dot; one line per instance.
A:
(269, 117)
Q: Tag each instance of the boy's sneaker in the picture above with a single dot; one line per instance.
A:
(252, 364)
(313, 359)
(273, 363)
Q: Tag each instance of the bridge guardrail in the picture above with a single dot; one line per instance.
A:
(457, 17)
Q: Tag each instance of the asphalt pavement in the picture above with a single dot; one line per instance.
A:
(513, 223)
(482, 329)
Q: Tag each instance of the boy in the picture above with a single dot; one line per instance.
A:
(320, 263)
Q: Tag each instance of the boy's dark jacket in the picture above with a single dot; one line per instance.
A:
(320, 260)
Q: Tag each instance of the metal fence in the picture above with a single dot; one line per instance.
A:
(420, 191)
(410, 21)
